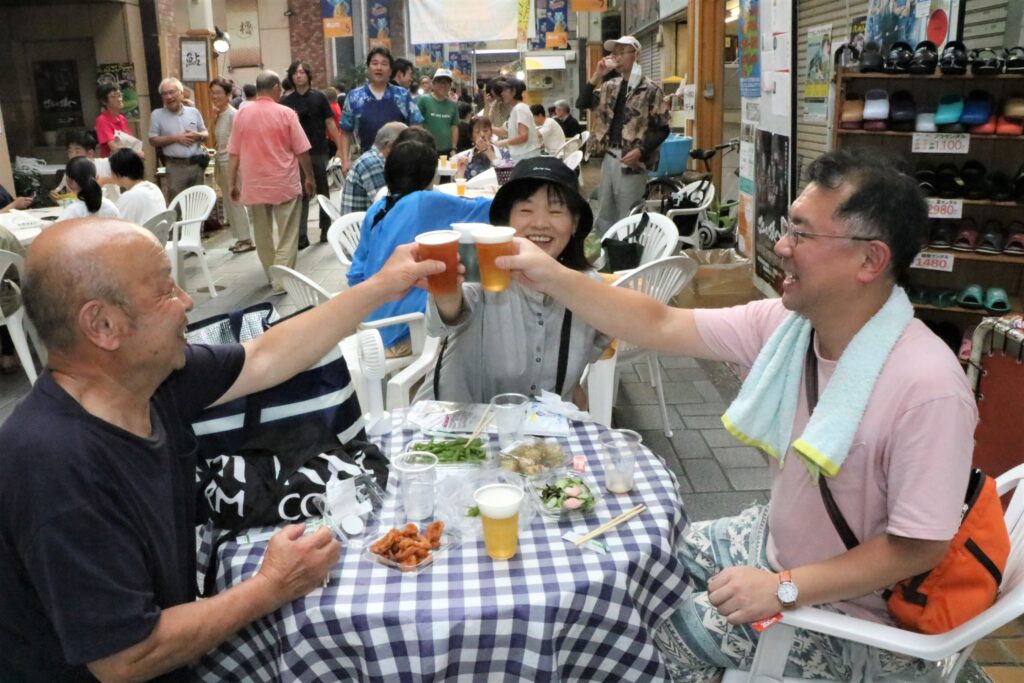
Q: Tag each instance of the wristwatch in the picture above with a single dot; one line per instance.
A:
(787, 591)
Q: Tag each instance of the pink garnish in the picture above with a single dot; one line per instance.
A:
(572, 503)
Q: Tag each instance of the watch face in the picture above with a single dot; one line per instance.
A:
(787, 593)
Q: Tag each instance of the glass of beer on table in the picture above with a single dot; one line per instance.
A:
(491, 242)
(441, 245)
(499, 511)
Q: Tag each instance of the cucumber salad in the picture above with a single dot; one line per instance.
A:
(567, 494)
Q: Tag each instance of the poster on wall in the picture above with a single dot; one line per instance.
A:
(57, 95)
(772, 199)
(912, 21)
(818, 72)
(428, 56)
(460, 63)
(749, 54)
(123, 76)
(552, 25)
(195, 60)
(337, 18)
(244, 28)
(378, 23)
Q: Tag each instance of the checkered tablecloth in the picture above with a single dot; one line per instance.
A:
(553, 612)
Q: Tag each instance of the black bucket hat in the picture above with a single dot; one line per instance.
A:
(547, 169)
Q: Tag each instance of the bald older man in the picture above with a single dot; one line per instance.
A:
(178, 131)
(97, 545)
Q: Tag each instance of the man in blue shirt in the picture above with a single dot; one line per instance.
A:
(370, 106)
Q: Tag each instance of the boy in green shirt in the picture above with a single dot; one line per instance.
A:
(440, 113)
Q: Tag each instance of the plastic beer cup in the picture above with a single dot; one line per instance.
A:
(492, 242)
(441, 245)
(417, 472)
(460, 187)
(499, 512)
(443, 160)
(467, 249)
(620, 447)
(509, 416)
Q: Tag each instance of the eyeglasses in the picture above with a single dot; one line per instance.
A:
(619, 53)
(794, 237)
(168, 93)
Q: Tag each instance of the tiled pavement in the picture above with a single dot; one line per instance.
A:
(717, 475)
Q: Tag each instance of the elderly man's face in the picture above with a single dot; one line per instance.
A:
(626, 57)
(171, 96)
(561, 113)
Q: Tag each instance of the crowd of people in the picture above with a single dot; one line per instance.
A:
(97, 556)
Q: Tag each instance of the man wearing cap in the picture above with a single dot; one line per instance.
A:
(440, 113)
(629, 121)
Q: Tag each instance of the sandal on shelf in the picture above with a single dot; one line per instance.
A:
(987, 128)
(986, 62)
(948, 183)
(975, 184)
(871, 58)
(1015, 60)
(1000, 189)
(925, 175)
(1007, 126)
(966, 237)
(978, 107)
(996, 300)
(967, 343)
(941, 235)
(953, 61)
(943, 297)
(1015, 242)
(992, 238)
(971, 296)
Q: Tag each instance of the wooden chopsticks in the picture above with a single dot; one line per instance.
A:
(625, 516)
(485, 420)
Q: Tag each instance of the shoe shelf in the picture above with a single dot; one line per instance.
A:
(909, 134)
(1015, 307)
(937, 76)
(975, 256)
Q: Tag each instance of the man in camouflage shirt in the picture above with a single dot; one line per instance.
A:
(628, 122)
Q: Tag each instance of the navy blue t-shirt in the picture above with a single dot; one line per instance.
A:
(97, 525)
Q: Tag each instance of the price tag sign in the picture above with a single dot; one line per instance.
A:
(934, 260)
(941, 143)
(945, 208)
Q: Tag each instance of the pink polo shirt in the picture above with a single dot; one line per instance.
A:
(268, 139)
(906, 473)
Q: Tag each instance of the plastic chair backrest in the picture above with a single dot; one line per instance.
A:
(333, 212)
(300, 288)
(661, 280)
(195, 203)
(574, 159)
(659, 239)
(160, 225)
(568, 147)
(343, 236)
(7, 260)
(381, 194)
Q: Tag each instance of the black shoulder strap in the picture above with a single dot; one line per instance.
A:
(834, 513)
(437, 369)
(639, 229)
(563, 350)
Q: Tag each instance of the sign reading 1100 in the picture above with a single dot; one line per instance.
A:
(941, 143)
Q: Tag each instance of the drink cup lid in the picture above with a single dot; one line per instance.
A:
(438, 237)
(493, 234)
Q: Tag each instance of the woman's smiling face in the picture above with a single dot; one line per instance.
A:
(544, 219)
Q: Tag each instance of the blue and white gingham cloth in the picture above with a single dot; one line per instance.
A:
(553, 612)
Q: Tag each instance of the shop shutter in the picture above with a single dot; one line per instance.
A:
(650, 55)
(985, 24)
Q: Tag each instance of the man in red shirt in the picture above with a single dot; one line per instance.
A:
(110, 119)
(269, 146)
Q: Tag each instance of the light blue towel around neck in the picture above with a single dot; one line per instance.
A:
(763, 412)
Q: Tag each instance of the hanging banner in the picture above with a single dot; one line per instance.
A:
(378, 23)
(819, 72)
(123, 76)
(749, 53)
(428, 56)
(244, 28)
(337, 18)
(523, 23)
(553, 24)
(448, 21)
(588, 5)
(461, 64)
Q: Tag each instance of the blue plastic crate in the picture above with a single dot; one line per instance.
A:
(675, 152)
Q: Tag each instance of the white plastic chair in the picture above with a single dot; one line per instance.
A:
(702, 193)
(661, 280)
(658, 238)
(15, 320)
(568, 147)
(949, 650)
(343, 236)
(381, 194)
(373, 365)
(333, 212)
(574, 159)
(584, 139)
(483, 180)
(161, 224)
(195, 204)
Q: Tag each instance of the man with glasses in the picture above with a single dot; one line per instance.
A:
(177, 131)
(899, 396)
(627, 123)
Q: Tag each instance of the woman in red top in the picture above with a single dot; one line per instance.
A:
(332, 99)
(110, 119)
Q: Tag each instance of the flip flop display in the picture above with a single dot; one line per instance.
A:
(1015, 241)
(941, 235)
(897, 59)
(973, 174)
(977, 108)
(1015, 60)
(876, 105)
(992, 238)
(925, 59)
(948, 183)
(871, 58)
(987, 128)
(985, 62)
(951, 107)
(953, 61)
(966, 237)
(1007, 126)
(925, 122)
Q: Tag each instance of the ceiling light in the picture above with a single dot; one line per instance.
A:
(221, 41)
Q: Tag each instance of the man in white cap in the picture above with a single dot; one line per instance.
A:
(441, 113)
(628, 122)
